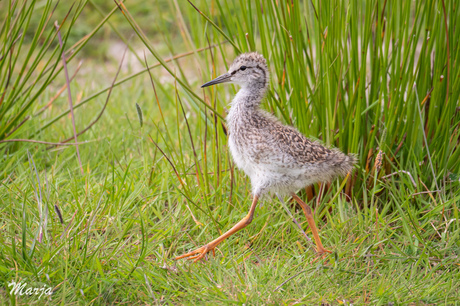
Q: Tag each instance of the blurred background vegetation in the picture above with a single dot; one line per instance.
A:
(147, 14)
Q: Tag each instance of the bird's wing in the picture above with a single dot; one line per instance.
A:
(297, 146)
(282, 148)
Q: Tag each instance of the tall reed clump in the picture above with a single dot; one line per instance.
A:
(29, 59)
(34, 41)
(377, 78)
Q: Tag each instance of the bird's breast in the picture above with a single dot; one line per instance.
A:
(240, 157)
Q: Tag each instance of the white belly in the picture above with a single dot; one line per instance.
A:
(269, 177)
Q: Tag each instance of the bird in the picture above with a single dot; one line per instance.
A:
(276, 157)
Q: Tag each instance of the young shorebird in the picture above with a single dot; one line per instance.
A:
(277, 158)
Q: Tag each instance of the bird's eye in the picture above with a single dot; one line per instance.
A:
(243, 68)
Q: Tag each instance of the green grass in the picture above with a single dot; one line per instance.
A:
(394, 229)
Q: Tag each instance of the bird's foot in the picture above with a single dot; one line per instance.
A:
(199, 253)
(322, 251)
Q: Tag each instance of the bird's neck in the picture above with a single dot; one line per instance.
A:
(249, 97)
(245, 105)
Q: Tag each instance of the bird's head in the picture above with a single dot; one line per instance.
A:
(248, 69)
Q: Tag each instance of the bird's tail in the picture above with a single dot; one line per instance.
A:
(345, 163)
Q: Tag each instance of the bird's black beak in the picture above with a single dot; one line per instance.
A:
(220, 79)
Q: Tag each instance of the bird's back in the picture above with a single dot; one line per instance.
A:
(268, 150)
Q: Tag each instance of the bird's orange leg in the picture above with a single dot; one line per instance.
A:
(311, 221)
(200, 252)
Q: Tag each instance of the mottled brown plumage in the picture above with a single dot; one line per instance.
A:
(276, 157)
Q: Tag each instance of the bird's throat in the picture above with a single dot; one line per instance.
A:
(249, 97)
